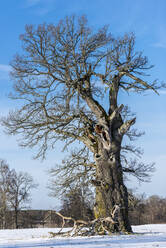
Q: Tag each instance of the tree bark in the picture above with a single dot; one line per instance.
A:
(111, 192)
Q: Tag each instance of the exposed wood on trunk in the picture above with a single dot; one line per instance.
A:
(125, 127)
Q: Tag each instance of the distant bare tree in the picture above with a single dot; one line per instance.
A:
(20, 188)
(137, 208)
(78, 203)
(147, 210)
(155, 209)
(5, 178)
(68, 79)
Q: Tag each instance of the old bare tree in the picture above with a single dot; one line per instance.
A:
(68, 79)
(5, 176)
(19, 193)
(15, 189)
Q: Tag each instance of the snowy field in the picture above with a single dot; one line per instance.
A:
(144, 236)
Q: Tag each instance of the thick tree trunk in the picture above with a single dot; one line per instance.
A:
(111, 192)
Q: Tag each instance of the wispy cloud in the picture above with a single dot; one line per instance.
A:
(160, 44)
(161, 38)
(162, 92)
(39, 7)
(31, 3)
(42, 11)
(4, 71)
(5, 68)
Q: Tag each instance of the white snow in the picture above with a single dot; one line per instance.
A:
(145, 236)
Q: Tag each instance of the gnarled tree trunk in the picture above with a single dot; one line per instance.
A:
(111, 192)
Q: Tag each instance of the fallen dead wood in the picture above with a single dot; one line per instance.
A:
(88, 228)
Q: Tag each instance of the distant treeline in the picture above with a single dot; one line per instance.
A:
(150, 210)
(31, 219)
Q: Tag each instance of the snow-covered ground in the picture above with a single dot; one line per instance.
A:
(145, 236)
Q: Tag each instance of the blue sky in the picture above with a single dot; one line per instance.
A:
(148, 20)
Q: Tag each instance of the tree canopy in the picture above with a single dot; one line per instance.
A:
(64, 72)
